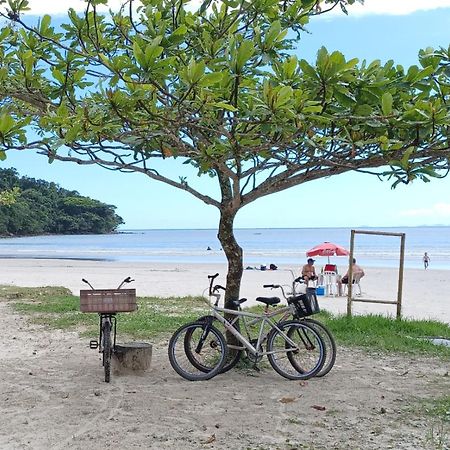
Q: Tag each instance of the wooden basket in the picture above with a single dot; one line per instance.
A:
(108, 300)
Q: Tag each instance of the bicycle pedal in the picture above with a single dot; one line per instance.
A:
(93, 344)
(256, 368)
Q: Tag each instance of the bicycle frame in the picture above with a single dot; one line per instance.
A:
(265, 318)
(113, 321)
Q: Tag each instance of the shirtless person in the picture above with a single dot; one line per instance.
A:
(309, 271)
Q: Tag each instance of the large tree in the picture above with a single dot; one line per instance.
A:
(217, 87)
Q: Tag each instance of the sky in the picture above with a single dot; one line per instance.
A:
(381, 29)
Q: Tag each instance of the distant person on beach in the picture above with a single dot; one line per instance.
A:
(356, 270)
(309, 271)
(426, 260)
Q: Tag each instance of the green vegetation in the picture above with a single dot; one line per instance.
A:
(30, 207)
(159, 317)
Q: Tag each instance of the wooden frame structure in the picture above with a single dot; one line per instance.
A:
(398, 302)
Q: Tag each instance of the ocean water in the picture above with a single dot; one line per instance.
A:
(261, 246)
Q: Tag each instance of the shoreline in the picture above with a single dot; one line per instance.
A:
(423, 290)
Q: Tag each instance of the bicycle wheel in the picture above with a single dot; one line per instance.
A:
(233, 354)
(300, 361)
(329, 344)
(107, 349)
(190, 348)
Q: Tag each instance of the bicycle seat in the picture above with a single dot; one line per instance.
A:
(238, 302)
(269, 301)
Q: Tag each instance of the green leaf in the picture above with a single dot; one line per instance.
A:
(272, 33)
(7, 123)
(2, 155)
(5, 32)
(45, 23)
(386, 103)
(308, 69)
(138, 54)
(363, 110)
(209, 79)
(244, 53)
(224, 105)
(283, 96)
(195, 71)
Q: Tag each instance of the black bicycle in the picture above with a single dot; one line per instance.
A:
(107, 303)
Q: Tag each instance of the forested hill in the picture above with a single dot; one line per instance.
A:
(31, 207)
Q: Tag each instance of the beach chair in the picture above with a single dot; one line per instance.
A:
(329, 281)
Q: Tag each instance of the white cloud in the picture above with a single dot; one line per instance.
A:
(391, 7)
(436, 211)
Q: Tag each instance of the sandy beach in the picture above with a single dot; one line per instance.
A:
(425, 292)
(52, 393)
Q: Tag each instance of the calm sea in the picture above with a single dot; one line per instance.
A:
(261, 246)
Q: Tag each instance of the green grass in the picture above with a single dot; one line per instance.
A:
(378, 332)
(438, 410)
(57, 307)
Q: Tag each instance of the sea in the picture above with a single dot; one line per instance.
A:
(262, 246)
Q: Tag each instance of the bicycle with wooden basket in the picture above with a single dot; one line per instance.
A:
(107, 303)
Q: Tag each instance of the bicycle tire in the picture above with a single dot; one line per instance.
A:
(233, 355)
(329, 343)
(107, 349)
(308, 355)
(193, 338)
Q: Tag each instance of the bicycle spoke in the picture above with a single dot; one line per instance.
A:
(197, 351)
(295, 351)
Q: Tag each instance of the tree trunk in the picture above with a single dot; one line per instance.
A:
(234, 256)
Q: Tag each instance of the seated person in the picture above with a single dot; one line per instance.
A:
(309, 271)
(356, 270)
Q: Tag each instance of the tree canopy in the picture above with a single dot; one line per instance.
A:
(219, 88)
(31, 207)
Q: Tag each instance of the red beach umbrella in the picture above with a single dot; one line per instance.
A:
(327, 249)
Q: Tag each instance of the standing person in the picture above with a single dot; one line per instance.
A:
(309, 271)
(426, 260)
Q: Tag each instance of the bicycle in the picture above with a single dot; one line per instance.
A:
(299, 307)
(198, 350)
(107, 303)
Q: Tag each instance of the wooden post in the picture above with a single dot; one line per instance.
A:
(350, 275)
(400, 277)
(133, 357)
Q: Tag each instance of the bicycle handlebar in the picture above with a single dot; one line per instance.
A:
(126, 280)
(211, 281)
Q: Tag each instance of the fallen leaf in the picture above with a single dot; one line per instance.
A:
(287, 399)
(318, 407)
(210, 440)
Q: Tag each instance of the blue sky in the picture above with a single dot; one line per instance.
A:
(367, 34)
